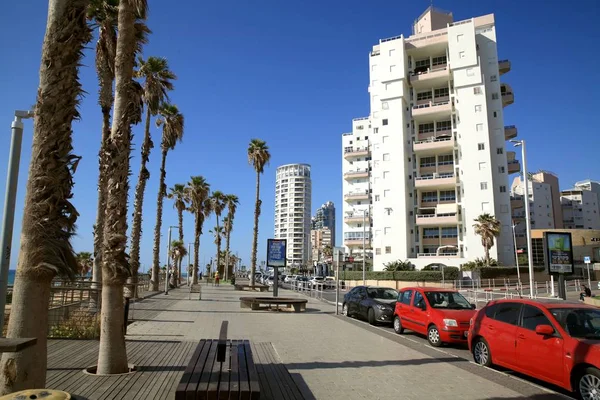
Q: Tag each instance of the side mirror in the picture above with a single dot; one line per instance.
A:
(545, 330)
(473, 306)
(422, 305)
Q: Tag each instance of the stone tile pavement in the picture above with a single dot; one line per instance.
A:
(335, 359)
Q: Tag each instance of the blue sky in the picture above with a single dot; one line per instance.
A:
(295, 74)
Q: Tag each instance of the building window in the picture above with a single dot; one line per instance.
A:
(480, 146)
(459, 37)
(502, 189)
(374, 67)
(384, 139)
(495, 114)
(392, 68)
(493, 78)
(479, 127)
(387, 230)
(447, 195)
(386, 157)
(446, 159)
(450, 232)
(431, 233)
(384, 122)
(441, 60)
(375, 130)
(442, 92)
(462, 55)
(424, 96)
(388, 249)
(477, 90)
(500, 150)
(482, 166)
(478, 108)
(426, 128)
(391, 52)
(427, 162)
(376, 197)
(495, 96)
(386, 174)
(483, 185)
(444, 125)
(501, 169)
(428, 197)
(386, 193)
(384, 105)
(377, 251)
(504, 208)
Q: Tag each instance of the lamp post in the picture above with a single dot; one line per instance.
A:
(168, 260)
(516, 254)
(12, 178)
(521, 143)
(364, 247)
(189, 262)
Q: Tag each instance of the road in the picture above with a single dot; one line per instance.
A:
(419, 342)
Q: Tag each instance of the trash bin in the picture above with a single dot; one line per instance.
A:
(46, 394)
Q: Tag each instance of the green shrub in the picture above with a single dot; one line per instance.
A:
(450, 273)
(504, 272)
(399, 265)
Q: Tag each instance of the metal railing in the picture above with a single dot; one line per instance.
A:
(435, 176)
(434, 140)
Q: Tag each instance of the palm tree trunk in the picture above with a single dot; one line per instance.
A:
(159, 209)
(196, 251)
(48, 216)
(227, 253)
(140, 188)
(112, 356)
(180, 218)
(255, 235)
(487, 255)
(218, 245)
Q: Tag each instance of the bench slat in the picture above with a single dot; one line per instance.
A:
(234, 385)
(214, 381)
(225, 385)
(187, 374)
(281, 375)
(222, 342)
(190, 393)
(207, 373)
(243, 368)
(252, 376)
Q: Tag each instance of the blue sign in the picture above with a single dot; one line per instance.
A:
(276, 253)
(587, 260)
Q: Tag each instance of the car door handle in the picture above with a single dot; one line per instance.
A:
(521, 336)
(491, 327)
(411, 310)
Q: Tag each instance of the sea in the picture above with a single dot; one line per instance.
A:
(11, 276)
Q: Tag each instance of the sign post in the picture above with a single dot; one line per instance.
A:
(558, 257)
(587, 260)
(276, 258)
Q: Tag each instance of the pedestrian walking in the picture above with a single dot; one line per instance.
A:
(217, 277)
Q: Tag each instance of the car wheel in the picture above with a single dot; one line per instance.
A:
(588, 384)
(433, 336)
(398, 325)
(371, 316)
(345, 310)
(481, 353)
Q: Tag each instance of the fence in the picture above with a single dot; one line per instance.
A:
(74, 307)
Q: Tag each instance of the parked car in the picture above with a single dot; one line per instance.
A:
(329, 282)
(290, 278)
(317, 280)
(269, 280)
(440, 314)
(302, 281)
(373, 303)
(556, 342)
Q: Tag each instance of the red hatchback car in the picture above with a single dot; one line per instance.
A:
(442, 315)
(556, 342)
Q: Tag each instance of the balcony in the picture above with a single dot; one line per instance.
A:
(358, 241)
(437, 109)
(440, 133)
(510, 132)
(357, 219)
(507, 94)
(359, 152)
(444, 180)
(433, 77)
(516, 202)
(437, 219)
(444, 252)
(356, 196)
(503, 66)
(362, 173)
(434, 145)
(514, 167)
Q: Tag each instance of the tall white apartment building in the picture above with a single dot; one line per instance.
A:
(431, 156)
(292, 211)
(581, 205)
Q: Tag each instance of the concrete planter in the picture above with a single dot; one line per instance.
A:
(592, 301)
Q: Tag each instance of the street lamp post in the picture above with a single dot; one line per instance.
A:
(12, 178)
(168, 260)
(189, 259)
(521, 143)
(364, 258)
(516, 254)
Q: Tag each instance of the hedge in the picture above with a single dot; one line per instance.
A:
(450, 273)
(504, 272)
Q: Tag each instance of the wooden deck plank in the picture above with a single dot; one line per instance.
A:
(234, 382)
(224, 385)
(169, 384)
(60, 373)
(265, 385)
(198, 371)
(280, 374)
(252, 375)
(244, 382)
(208, 371)
(187, 373)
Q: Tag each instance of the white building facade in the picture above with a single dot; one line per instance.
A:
(293, 194)
(581, 206)
(431, 157)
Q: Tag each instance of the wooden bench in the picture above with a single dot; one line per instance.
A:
(254, 303)
(245, 284)
(220, 369)
(276, 382)
(15, 345)
(195, 289)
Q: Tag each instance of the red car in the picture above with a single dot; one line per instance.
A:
(442, 315)
(555, 341)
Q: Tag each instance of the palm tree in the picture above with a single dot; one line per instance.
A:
(85, 262)
(197, 192)
(178, 252)
(157, 82)
(258, 157)
(399, 265)
(232, 201)
(328, 251)
(218, 232)
(177, 192)
(48, 216)
(171, 121)
(112, 356)
(218, 205)
(104, 14)
(488, 227)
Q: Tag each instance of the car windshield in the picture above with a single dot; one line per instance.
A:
(318, 278)
(382, 293)
(449, 300)
(583, 323)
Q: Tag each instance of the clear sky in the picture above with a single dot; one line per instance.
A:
(295, 74)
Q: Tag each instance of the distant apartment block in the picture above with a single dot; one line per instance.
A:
(544, 204)
(581, 206)
(325, 218)
(292, 211)
(319, 239)
(431, 156)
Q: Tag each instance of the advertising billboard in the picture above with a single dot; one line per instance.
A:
(276, 253)
(559, 252)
